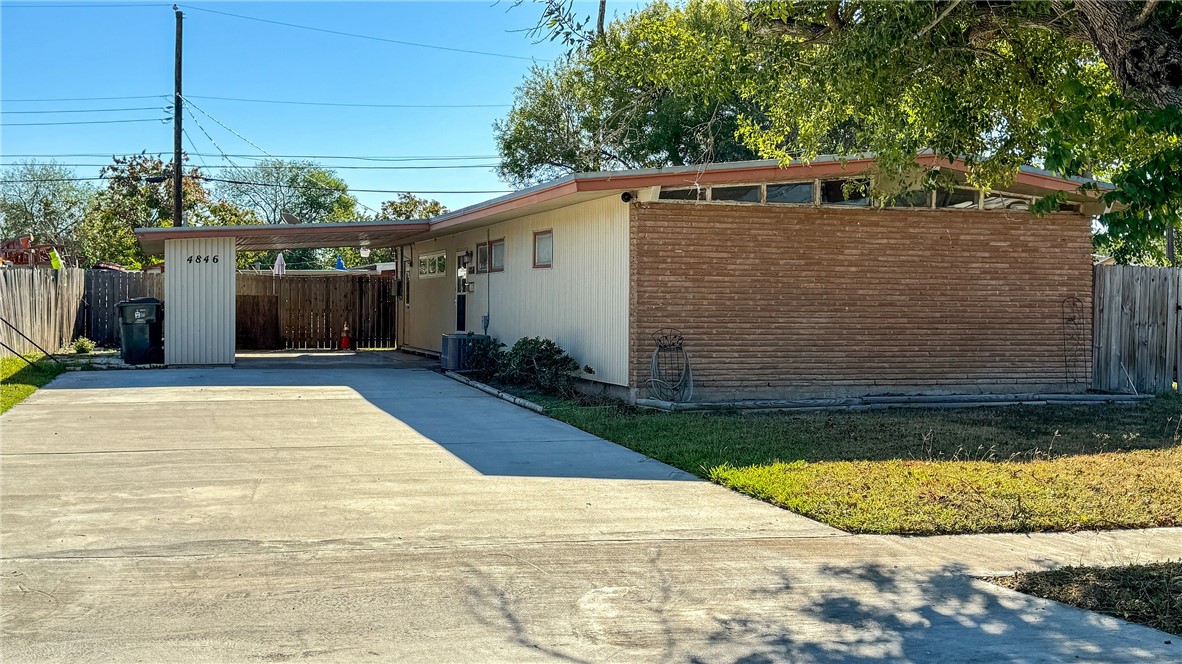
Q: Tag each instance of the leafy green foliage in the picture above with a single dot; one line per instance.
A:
(83, 345)
(39, 200)
(538, 364)
(486, 359)
(585, 113)
(138, 194)
(1081, 89)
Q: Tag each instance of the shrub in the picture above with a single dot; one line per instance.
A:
(539, 364)
(485, 360)
(83, 345)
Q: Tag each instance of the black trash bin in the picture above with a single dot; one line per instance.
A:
(141, 330)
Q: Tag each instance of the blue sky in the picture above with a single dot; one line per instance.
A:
(87, 50)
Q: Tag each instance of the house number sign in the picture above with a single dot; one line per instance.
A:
(202, 259)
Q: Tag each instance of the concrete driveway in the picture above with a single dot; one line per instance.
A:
(372, 510)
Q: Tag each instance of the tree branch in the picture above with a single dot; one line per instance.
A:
(940, 17)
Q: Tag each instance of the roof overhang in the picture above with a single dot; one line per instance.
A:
(572, 189)
(578, 187)
(265, 237)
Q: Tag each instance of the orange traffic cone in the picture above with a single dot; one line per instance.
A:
(346, 342)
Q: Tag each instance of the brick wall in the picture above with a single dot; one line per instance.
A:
(780, 302)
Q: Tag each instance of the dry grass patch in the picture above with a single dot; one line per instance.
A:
(1145, 594)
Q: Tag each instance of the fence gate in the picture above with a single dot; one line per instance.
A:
(1137, 328)
(298, 311)
(105, 289)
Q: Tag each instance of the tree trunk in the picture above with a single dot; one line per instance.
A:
(602, 15)
(1144, 53)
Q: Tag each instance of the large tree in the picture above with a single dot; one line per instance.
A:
(43, 199)
(576, 116)
(271, 187)
(1082, 88)
(310, 192)
(138, 193)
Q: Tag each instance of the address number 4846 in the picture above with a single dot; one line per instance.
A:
(202, 259)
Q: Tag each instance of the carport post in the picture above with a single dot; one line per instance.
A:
(199, 301)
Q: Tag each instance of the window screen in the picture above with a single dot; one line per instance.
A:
(482, 257)
(695, 194)
(845, 192)
(497, 256)
(917, 198)
(544, 249)
(794, 192)
(744, 194)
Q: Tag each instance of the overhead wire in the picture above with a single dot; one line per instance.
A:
(278, 184)
(80, 122)
(201, 156)
(189, 106)
(361, 36)
(81, 110)
(344, 104)
(266, 156)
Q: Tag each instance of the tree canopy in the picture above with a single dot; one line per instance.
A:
(584, 113)
(44, 200)
(1082, 88)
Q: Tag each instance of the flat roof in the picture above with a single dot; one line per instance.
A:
(264, 237)
(561, 192)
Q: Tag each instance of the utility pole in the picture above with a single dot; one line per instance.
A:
(177, 103)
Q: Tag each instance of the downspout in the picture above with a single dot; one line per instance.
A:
(487, 281)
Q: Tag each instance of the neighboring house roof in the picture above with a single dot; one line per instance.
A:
(564, 191)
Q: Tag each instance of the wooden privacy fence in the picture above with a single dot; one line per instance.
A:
(105, 289)
(43, 304)
(296, 311)
(1137, 328)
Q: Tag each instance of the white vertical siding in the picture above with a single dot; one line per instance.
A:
(199, 300)
(581, 302)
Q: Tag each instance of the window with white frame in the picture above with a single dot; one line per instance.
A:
(433, 265)
(544, 248)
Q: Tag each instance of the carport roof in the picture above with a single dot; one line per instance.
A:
(374, 234)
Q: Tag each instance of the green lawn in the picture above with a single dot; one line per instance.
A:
(1146, 594)
(1003, 469)
(18, 380)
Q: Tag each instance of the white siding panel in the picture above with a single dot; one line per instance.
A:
(199, 299)
(581, 302)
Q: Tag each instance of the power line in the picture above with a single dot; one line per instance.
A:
(293, 186)
(360, 36)
(190, 105)
(31, 180)
(78, 122)
(345, 104)
(86, 6)
(31, 101)
(201, 156)
(350, 189)
(83, 110)
(393, 158)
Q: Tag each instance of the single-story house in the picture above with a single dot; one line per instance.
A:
(784, 282)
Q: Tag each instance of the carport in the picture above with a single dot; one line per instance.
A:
(200, 274)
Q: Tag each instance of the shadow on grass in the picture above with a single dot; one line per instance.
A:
(1017, 433)
(19, 379)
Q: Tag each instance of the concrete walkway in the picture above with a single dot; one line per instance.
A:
(381, 512)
